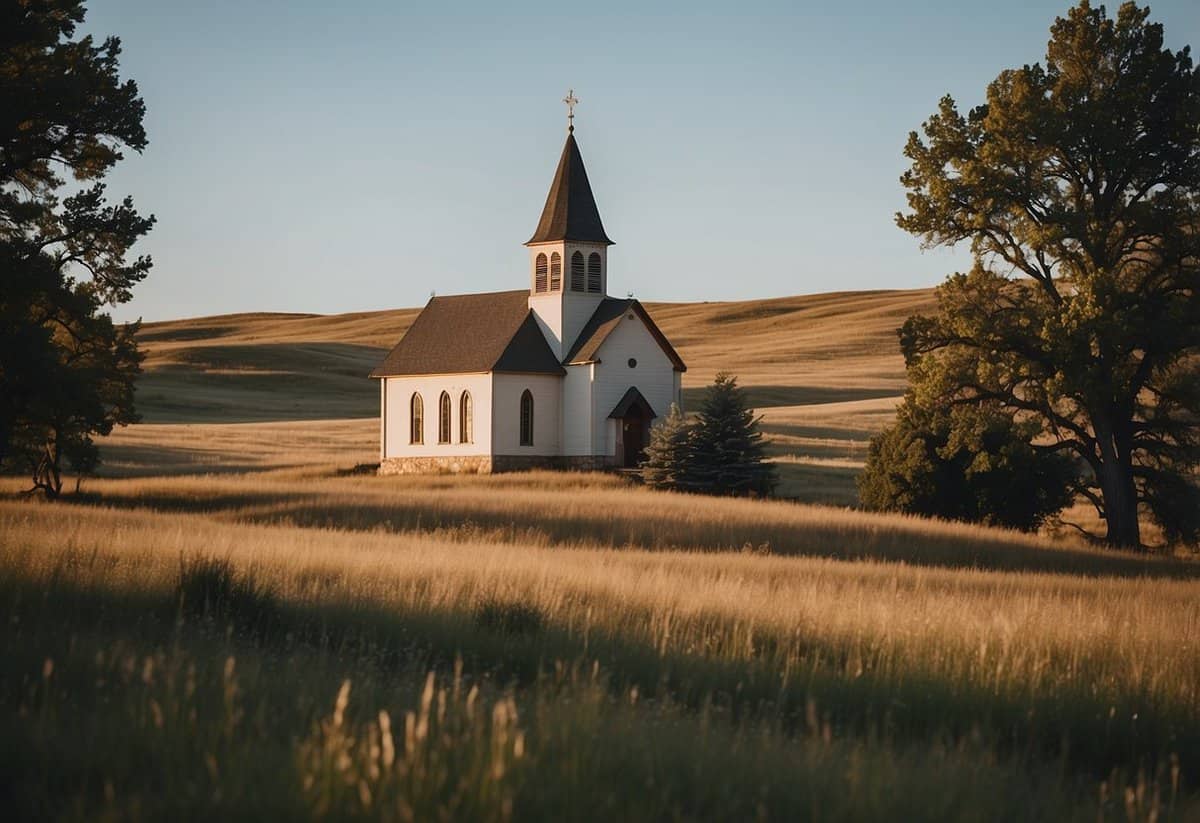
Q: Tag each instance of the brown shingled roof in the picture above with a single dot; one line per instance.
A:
(602, 323)
(472, 333)
(570, 212)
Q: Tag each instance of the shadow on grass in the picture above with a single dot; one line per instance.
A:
(840, 536)
(764, 396)
(860, 437)
(125, 460)
(790, 682)
(816, 483)
(254, 383)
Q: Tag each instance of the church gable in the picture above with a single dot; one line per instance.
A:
(605, 321)
(528, 352)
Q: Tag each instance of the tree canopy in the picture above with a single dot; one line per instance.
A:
(1077, 184)
(66, 370)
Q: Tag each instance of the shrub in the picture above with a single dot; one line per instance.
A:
(976, 464)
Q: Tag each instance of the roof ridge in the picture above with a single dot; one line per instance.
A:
(478, 294)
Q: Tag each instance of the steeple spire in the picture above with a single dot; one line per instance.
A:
(570, 212)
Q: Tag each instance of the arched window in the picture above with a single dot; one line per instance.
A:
(556, 272)
(577, 271)
(466, 423)
(444, 418)
(539, 273)
(416, 420)
(527, 418)
(594, 272)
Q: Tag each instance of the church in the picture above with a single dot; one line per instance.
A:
(556, 375)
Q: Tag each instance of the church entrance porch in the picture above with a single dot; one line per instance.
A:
(633, 415)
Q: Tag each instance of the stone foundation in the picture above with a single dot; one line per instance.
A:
(493, 464)
(458, 464)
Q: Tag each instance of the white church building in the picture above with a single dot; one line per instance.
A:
(555, 375)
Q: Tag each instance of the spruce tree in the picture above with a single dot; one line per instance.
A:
(669, 455)
(726, 449)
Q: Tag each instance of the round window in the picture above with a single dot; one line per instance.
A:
(633, 362)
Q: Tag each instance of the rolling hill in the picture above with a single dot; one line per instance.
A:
(823, 370)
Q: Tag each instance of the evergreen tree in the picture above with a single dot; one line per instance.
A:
(669, 455)
(726, 448)
(66, 370)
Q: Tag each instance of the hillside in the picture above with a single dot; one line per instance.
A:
(824, 371)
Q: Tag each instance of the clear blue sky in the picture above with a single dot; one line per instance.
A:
(330, 157)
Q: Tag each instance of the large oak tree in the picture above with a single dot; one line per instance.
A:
(1077, 185)
(66, 370)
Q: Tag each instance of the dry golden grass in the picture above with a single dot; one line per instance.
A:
(589, 510)
(1017, 628)
(1094, 672)
(158, 449)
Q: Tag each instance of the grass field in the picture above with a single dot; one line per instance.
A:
(233, 622)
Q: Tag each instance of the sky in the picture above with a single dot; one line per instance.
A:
(332, 157)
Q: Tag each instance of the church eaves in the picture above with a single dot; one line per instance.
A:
(570, 212)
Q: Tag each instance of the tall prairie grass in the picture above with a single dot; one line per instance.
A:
(842, 666)
(595, 510)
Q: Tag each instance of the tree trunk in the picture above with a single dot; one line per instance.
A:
(48, 475)
(1119, 491)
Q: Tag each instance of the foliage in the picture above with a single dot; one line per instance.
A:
(669, 455)
(972, 463)
(718, 453)
(1078, 185)
(66, 370)
(727, 451)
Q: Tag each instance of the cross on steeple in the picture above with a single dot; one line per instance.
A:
(571, 100)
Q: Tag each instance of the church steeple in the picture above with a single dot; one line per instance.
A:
(568, 253)
(570, 212)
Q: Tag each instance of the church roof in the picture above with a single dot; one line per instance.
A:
(604, 321)
(472, 333)
(633, 399)
(570, 212)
